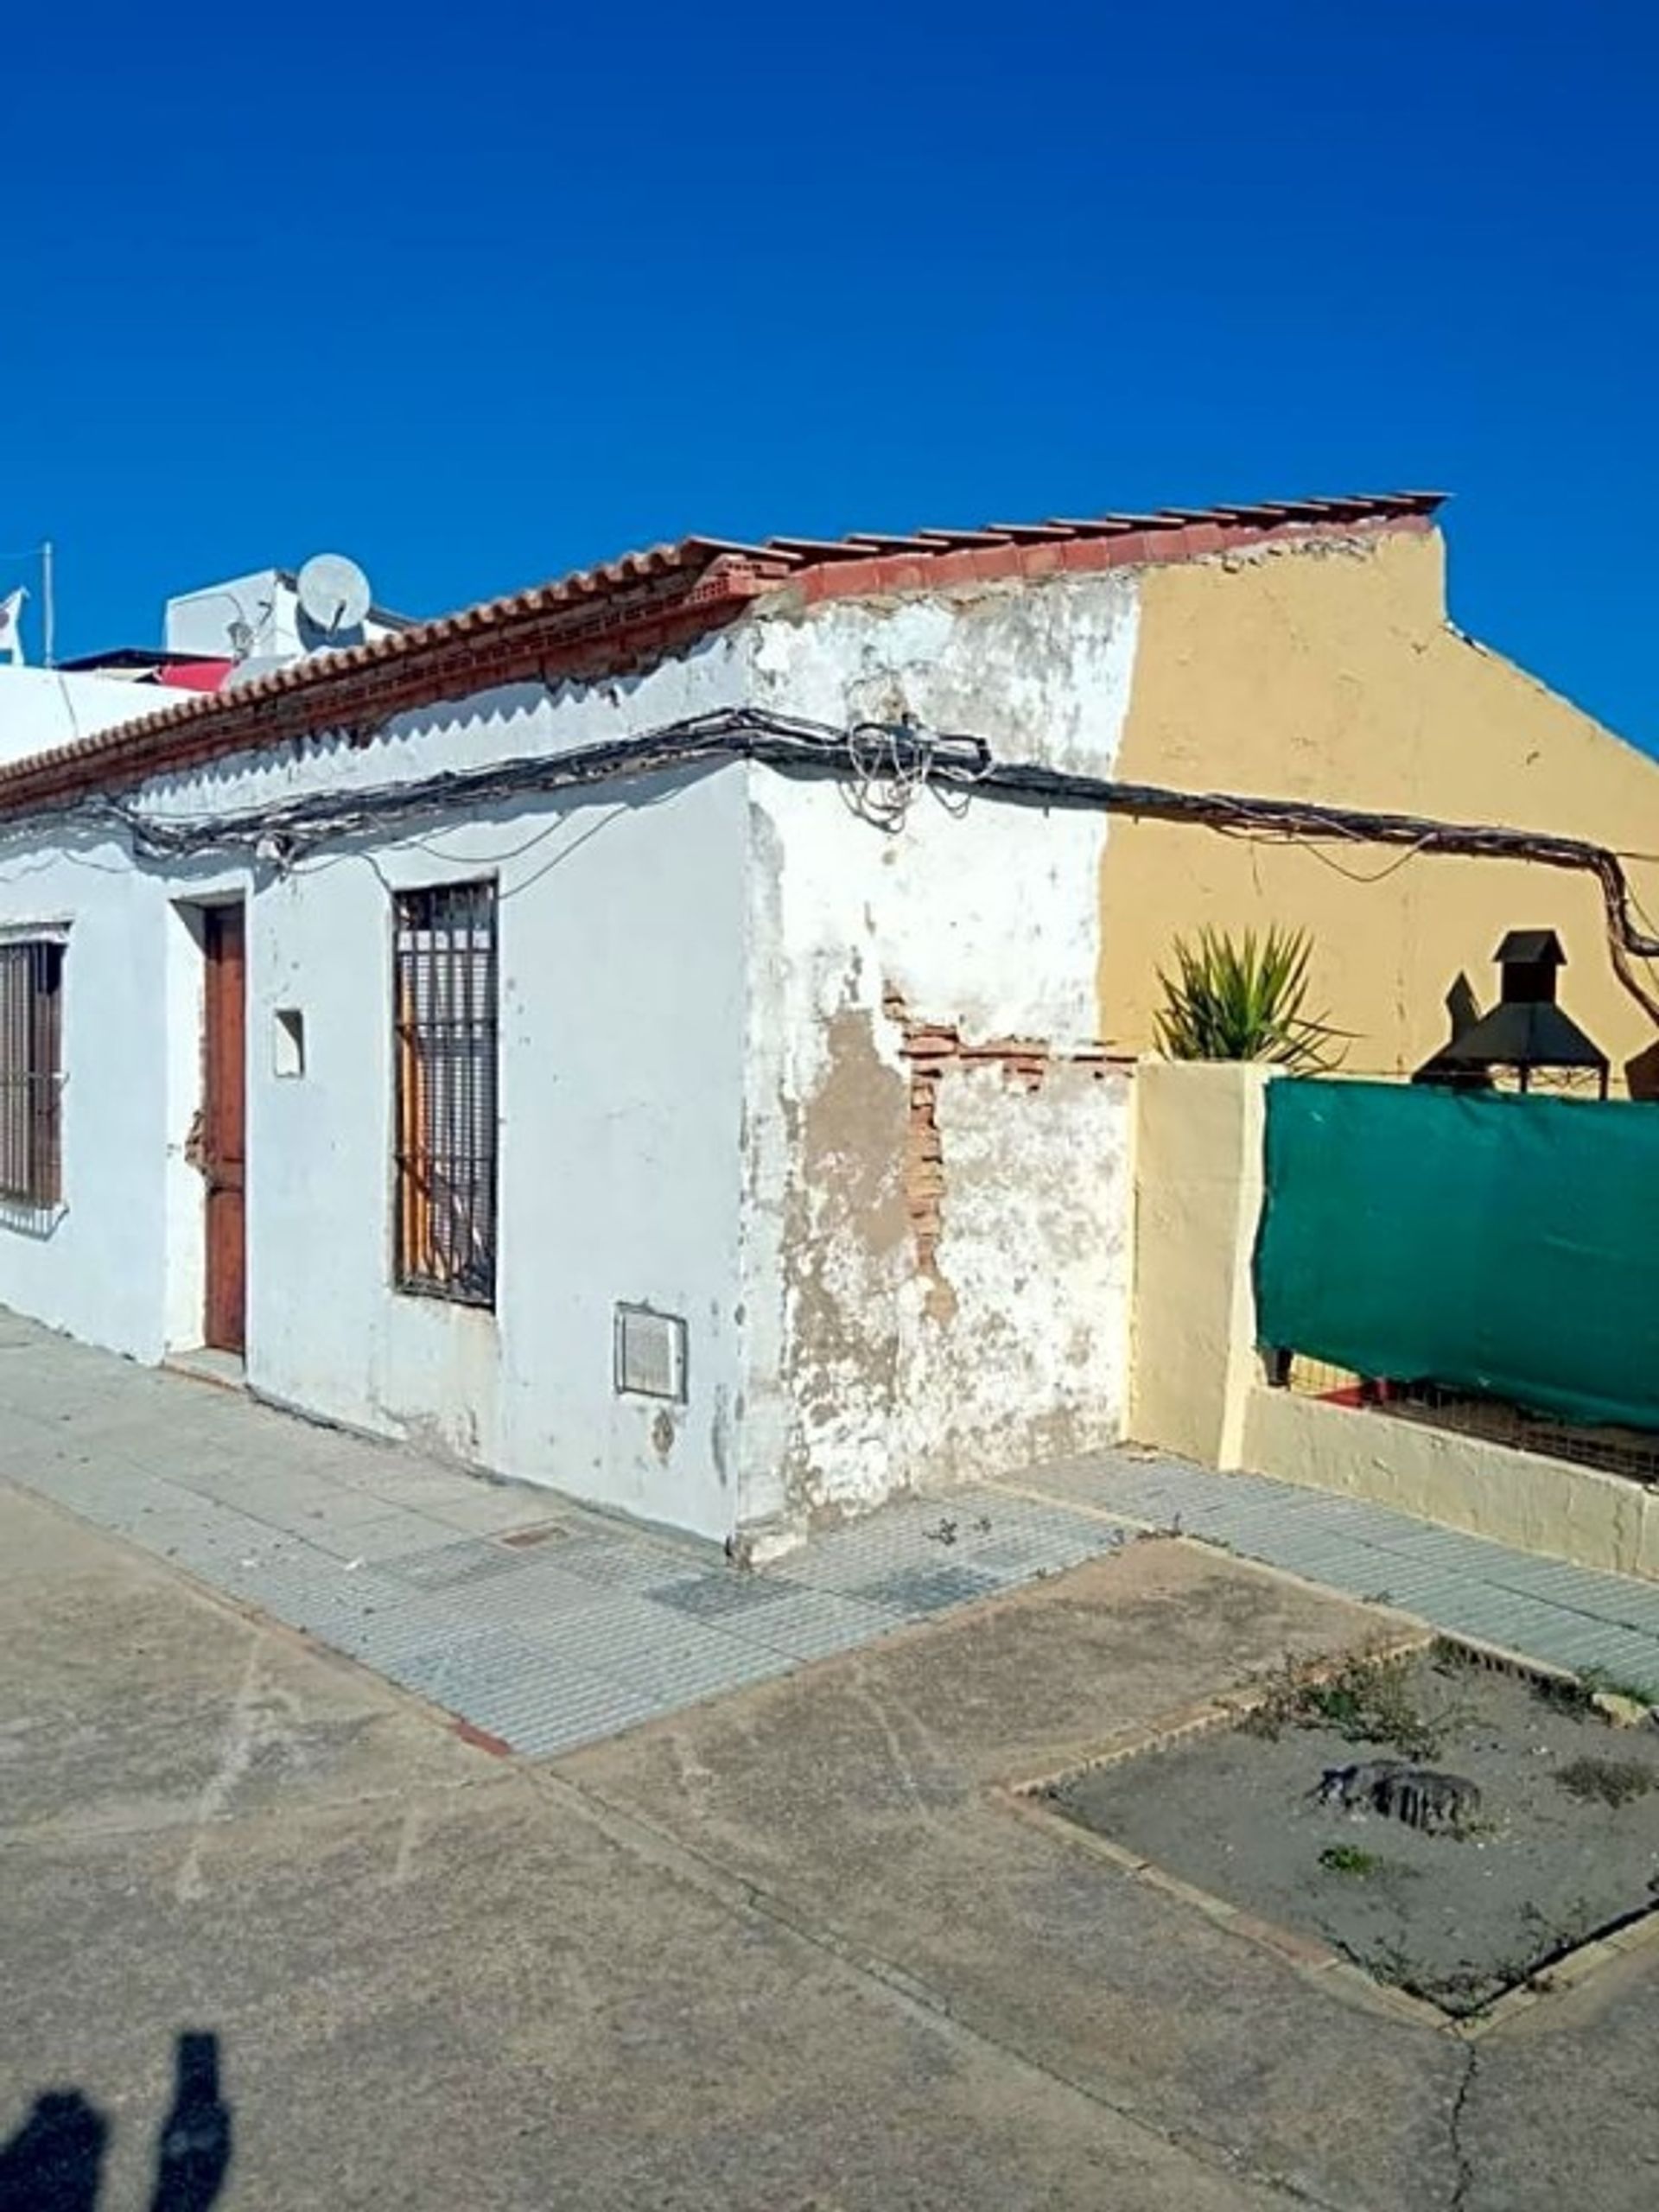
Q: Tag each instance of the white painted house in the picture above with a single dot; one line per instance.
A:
(550, 1035)
(43, 708)
(231, 630)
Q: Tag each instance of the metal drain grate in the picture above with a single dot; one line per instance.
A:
(452, 1566)
(927, 1589)
(711, 1597)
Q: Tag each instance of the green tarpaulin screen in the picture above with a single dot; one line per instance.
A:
(1488, 1242)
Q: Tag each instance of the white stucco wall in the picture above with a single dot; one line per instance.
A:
(41, 708)
(621, 930)
(622, 922)
(94, 1267)
(706, 1101)
(200, 621)
(621, 1067)
(868, 1372)
(511, 722)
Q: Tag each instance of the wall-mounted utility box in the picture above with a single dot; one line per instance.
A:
(650, 1353)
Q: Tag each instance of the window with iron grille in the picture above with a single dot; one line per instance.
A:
(444, 1021)
(31, 1072)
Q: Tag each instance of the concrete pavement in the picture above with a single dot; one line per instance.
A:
(790, 1952)
(1568, 1617)
(551, 1627)
(541, 1624)
(793, 1949)
(438, 1978)
(864, 1799)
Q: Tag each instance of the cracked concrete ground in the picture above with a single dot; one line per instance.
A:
(861, 1800)
(787, 1953)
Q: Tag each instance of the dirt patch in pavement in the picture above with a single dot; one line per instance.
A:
(1557, 1841)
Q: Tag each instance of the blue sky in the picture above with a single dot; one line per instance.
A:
(479, 296)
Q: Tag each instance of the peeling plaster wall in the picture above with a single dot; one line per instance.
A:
(1041, 670)
(873, 1364)
(706, 1103)
(1026, 1359)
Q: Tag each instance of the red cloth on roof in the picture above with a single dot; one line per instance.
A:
(196, 675)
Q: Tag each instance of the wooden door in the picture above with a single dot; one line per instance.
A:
(224, 1118)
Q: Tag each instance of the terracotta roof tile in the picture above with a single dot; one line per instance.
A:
(644, 603)
(872, 542)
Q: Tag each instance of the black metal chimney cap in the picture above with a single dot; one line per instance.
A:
(1531, 949)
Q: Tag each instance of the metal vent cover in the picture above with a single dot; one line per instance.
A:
(650, 1353)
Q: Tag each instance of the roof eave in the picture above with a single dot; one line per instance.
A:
(651, 601)
(359, 690)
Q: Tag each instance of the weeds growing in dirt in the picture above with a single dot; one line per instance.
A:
(1606, 1781)
(1600, 1678)
(1579, 1694)
(1349, 1858)
(1367, 1701)
(1560, 1932)
(1566, 1694)
(1465, 1992)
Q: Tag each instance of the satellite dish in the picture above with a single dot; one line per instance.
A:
(333, 594)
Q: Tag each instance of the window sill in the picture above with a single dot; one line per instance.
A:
(29, 1217)
(438, 1294)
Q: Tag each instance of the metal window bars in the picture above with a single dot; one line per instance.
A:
(31, 1074)
(446, 1043)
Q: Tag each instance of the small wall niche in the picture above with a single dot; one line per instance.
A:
(288, 1042)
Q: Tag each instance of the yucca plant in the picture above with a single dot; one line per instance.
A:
(1244, 999)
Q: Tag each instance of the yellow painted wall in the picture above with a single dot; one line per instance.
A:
(1197, 1197)
(1328, 670)
(1519, 1499)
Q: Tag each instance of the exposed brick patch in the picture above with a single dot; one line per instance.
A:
(931, 1051)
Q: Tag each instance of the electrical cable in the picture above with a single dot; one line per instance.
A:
(885, 766)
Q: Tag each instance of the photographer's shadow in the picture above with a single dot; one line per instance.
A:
(55, 2163)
